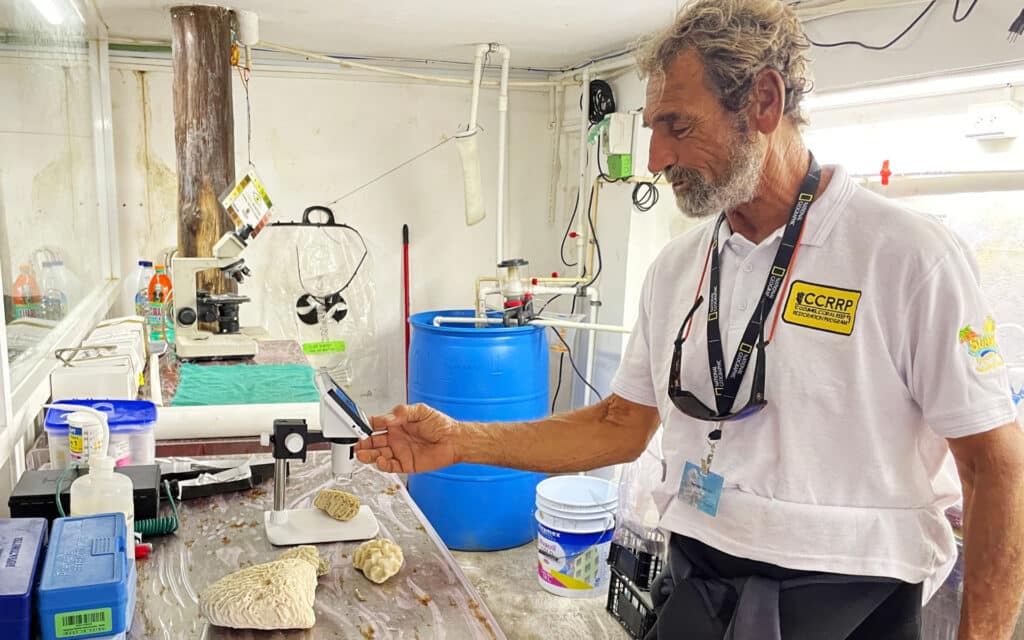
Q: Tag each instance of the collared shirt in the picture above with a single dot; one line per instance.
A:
(884, 348)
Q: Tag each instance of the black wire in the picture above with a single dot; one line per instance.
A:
(645, 202)
(568, 352)
(561, 364)
(884, 46)
(597, 245)
(565, 236)
(549, 301)
(600, 172)
(323, 299)
(602, 101)
(956, 10)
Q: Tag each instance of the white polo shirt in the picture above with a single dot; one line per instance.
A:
(886, 348)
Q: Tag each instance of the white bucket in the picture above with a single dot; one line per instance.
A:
(573, 546)
(577, 493)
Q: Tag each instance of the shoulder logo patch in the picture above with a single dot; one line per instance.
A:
(981, 347)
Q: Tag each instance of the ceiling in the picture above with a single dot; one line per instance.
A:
(540, 33)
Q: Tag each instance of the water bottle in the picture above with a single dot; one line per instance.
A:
(54, 300)
(26, 294)
(140, 294)
(159, 293)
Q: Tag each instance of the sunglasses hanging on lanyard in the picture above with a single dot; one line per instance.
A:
(703, 490)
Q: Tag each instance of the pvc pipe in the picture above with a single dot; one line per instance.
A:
(591, 352)
(586, 326)
(478, 74)
(439, 320)
(583, 156)
(499, 222)
(230, 420)
(351, 64)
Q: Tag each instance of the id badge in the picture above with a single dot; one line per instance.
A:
(703, 492)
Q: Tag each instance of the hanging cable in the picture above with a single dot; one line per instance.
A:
(956, 10)
(1016, 28)
(646, 194)
(568, 352)
(565, 236)
(878, 47)
(602, 101)
(446, 140)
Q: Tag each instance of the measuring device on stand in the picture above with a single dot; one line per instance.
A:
(342, 424)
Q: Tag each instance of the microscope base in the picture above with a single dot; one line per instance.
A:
(313, 526)
(213, 345)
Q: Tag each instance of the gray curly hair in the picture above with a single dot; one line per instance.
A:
(736, 40)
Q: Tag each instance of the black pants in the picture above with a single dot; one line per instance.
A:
(811, 612)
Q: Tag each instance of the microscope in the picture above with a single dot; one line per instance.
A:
(195, 305)
(342, 424)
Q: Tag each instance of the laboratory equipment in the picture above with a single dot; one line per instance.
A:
(195, 305)
(342, 424)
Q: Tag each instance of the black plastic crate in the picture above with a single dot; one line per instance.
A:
(639, 567)
(630, 606)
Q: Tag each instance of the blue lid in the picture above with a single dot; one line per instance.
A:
(21, 546)
(86, 562)
(123, 416)
(145, 263)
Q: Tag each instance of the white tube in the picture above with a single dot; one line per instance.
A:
(581, 216)
(230, 421)
(248, 27)
(478, 74)
(585, 326)
(499, 215)
(591, 352)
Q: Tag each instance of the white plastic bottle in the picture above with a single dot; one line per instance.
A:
(103, 491)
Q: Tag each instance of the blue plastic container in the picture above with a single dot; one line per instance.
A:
(21, 546)
(88, 584)
(492, 374)
(132, 439)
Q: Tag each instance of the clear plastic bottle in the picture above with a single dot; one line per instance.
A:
(55, 299)
(140, 294)
(104, 491)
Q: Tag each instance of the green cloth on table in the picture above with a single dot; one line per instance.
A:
(244, 384)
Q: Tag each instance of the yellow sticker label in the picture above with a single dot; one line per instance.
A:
(821, 307)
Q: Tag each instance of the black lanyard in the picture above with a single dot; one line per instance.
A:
(727, 386)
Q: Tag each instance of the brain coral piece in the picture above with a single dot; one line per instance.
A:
(340, 505)
(275, 595)
(378, 559)
(310, 555)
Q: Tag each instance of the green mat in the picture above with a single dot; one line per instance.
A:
(244, 384)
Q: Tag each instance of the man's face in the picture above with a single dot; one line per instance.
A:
(707, 152)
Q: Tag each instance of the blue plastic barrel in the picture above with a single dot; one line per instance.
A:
(492, 374)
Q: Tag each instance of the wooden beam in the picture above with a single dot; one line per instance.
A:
(203, 130)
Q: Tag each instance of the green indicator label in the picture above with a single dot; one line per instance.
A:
(336, 346)
(83, 623)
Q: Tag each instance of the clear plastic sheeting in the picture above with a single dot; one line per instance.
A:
(430, 597)
(636, 522)
(320, 291)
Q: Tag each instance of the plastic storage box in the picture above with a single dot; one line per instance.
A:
(132, 440)
(88, 584)
(21, 547)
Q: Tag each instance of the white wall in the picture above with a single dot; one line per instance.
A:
(319, 135)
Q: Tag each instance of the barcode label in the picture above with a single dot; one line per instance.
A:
(82, 623)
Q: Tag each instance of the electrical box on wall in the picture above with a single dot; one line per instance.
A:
(995, 121)
(617, 136)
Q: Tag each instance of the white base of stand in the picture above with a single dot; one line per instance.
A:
(313, 526)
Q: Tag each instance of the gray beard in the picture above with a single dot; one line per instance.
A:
(702, 199)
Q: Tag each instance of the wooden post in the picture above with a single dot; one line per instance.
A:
(203, 130)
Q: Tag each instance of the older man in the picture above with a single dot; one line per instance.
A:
(814, 353)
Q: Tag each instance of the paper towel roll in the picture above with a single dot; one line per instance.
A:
(470, 154)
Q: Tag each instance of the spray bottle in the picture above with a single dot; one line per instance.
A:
(101, 490)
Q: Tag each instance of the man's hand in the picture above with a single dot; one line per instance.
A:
(414, 438)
